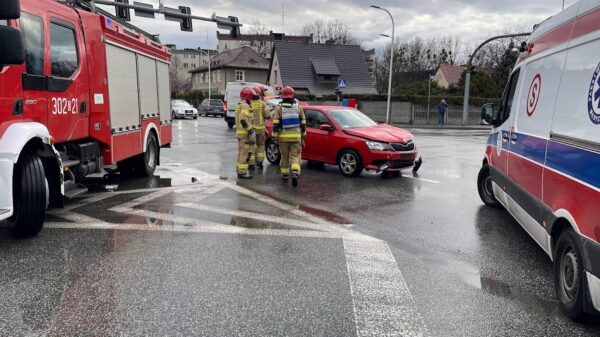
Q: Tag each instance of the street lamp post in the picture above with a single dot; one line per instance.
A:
(389, 100)
(207, 51)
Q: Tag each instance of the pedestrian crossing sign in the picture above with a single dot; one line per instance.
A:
(341, 83)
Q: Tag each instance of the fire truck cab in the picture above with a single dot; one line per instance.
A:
(78, 91)
(542, 161)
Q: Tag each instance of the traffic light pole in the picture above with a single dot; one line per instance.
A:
(465, 116)
(172, 12)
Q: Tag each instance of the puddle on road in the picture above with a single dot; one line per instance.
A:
(470, 274)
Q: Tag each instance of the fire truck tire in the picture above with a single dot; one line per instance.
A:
(484, 187)
(148, 161)
(569, 275)
(30, 195)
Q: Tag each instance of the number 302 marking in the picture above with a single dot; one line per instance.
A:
(63, 106)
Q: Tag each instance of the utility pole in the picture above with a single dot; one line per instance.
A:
(208, 55)
(283, 16)
(470, 65)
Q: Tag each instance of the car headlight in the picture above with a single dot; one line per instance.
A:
(377, 146)
(180, 111)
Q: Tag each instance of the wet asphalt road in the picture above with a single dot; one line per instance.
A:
(192, 252)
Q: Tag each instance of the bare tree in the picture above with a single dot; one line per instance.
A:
(180, 81)
(332, 30)
(257, 27)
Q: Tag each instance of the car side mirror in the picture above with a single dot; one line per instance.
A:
(11, 44)
(487, 113)
(326, 127)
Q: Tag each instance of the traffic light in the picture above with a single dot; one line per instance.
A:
(123, 12)
(186, 23)
(235, 31)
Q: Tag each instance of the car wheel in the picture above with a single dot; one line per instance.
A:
(30, 196)
(484, 187)
(350, 164)
(173, 116)
(569, 275)
(272, 153)
(230, 125)
(195, 117)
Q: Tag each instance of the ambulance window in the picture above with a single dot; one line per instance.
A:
(63, 50)
(33, 33)
(508, 97)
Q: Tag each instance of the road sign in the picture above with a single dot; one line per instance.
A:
(341, 83)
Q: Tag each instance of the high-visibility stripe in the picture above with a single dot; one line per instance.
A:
(260, 156)
(289, 135)
(295, 167)
(242, 166)
(303, 122)
(259, 127)
(241, 132)
(247, 146)
(285, 170)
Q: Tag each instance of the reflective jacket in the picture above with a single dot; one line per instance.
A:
(243, 115)
(260, 114)
(289, 123)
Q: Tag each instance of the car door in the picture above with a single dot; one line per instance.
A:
(498, 158)
(67, 81)
(317, 141)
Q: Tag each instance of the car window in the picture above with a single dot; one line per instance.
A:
(63, 50)
(3, 23)
(350, 118)
(314, 119)
(216, 102)
(33, 33)
(508, 98)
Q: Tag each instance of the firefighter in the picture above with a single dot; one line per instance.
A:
(260, 115)
(245, 132)
(289, 130)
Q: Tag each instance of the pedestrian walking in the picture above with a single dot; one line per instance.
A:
(289, 129)
(442, 109)
(260, 114)
(244, 132)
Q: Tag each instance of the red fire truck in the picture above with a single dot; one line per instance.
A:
(78, 91)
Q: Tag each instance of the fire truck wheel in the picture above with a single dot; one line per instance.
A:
(484, 187)
(30, 195)
(147, 165)
(569, 275)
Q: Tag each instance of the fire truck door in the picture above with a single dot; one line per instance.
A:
(67, 85)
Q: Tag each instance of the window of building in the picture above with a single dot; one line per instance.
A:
(193, 65)
(203, 77)
(185, 65)
(240, 75)
(63, 50)
(276, 79)
(33, 33)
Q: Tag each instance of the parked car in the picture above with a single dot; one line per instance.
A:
(347, 138)
(232, 97)
(183, 109)
(213, 107)
(542, 160)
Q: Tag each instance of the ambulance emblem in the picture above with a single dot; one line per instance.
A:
(594, 97)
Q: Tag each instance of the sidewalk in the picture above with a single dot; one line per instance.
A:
(446, 127)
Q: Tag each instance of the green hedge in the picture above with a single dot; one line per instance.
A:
(416, 99)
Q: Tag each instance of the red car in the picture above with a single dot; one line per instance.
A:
(347, 138)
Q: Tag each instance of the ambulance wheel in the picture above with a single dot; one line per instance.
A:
(230, 125)
(350, 163)
(30, 195)
(149, 158)
(484, 187)
(569, 275)
(272, 152)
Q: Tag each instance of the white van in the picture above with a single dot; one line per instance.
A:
(232, 97)
(542, 161)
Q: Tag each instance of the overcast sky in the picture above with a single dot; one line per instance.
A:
(471, 20)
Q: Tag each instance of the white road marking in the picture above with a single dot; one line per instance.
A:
(422, 179)
(383, 304)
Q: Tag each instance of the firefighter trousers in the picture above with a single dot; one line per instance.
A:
(244, 153)
(290, 157)
(258, 150)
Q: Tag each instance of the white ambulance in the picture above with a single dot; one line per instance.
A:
(542, 160)
(232, 97)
